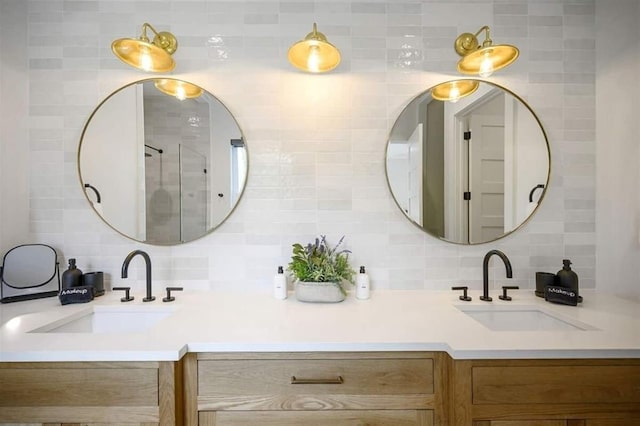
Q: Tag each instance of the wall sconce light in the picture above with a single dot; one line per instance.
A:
(177, 88)
(453, 91)
(486, 59)
(154, 56)
(314, 53)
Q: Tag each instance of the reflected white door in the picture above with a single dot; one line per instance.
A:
(415, 175)
(486, 170)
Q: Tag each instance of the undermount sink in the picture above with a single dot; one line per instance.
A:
(521, 318)
(108, 319)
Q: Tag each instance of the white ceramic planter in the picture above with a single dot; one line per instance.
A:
(318, 292)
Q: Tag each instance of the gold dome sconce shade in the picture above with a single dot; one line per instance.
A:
(141, 53)
(314, 53)
(483, 60)
(453, 91)
(177, 88)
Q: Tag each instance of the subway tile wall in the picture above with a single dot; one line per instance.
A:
(316, 142)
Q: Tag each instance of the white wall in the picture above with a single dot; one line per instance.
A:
(618, 147)
(14, 145)
(316, 142)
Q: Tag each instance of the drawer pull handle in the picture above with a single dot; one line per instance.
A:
(337, 381)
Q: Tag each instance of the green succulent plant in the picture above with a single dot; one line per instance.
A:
(318, 262)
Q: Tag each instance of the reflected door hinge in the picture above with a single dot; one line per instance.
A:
(466, 195)
(467, 135)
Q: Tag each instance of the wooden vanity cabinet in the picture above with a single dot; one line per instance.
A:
(333, 388)
(88, 393)
(545, 392)
(379, 388)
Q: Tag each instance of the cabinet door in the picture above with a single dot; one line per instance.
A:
(317, 418)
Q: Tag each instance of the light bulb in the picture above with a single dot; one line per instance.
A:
(181, 93)
(313, 59)
(486, 66)
(454, 94)
(145, 60)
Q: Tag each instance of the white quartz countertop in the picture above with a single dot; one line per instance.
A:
(609, 327)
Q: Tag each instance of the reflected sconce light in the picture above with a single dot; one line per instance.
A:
(314, 53)
(177, 88)
(452, 91)
(483, 60)
(141, 53)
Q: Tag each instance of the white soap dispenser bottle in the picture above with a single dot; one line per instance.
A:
(363, 286)
(280, 284)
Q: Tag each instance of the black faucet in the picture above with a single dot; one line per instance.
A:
(485, 272)
(147, 260)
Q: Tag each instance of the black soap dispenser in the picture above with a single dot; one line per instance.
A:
(72, 277)
(567, 278)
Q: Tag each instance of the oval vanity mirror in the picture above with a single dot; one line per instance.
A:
(468, 161)
(162, 161)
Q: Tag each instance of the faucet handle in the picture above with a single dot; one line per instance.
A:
(504, 292)
(127, 297)
(169, 297)
(464, 296)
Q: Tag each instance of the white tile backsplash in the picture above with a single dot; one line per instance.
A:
(316, 142)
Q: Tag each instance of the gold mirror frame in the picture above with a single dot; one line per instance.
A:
(91, 192)
(544, 139)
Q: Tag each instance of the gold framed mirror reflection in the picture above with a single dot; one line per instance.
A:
(470, 170)
(162, 168)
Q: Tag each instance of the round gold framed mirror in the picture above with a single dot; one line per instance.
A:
(160, 167)
(470, 169)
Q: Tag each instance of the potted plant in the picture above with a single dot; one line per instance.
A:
(320, 271)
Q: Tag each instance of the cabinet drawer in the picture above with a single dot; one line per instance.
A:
(318, 418)
(317, 377)
(556, 384)
(78, 385)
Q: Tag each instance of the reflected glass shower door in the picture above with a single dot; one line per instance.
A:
(193, 194)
